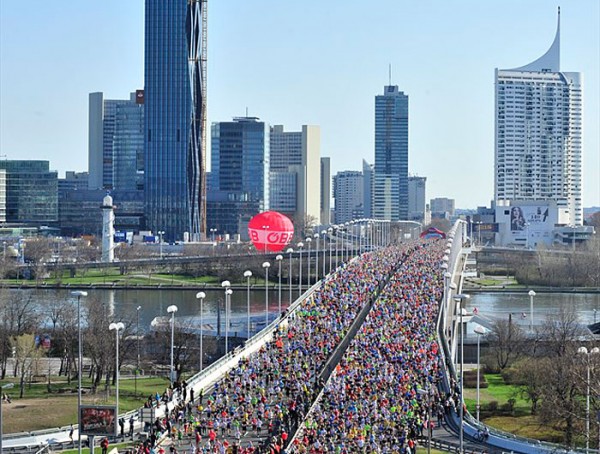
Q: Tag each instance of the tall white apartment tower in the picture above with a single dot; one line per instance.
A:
(538, 134)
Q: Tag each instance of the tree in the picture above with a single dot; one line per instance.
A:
(507, 342)
(26, 355)
(98, 342)
(18, 315)
(562, 402)
(530, 374)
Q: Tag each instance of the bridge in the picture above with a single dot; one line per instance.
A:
(363, 360)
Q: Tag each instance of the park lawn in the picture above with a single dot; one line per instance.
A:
(423, 450)
(497, 391)
(525, 426)
(39, 410)
(522, 423)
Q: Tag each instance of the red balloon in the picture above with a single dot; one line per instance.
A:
(270, 231)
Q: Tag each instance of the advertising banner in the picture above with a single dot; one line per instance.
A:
(98, 420)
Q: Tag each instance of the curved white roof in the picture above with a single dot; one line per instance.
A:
(550, 61)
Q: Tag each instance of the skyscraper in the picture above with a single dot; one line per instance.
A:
(538, 136)
(367, 170)
(416, 198)
(31, 192)
(348, 195)
(297, 153)
(325, 191)
(109, 118)
(390, 189)
(175, 103)
(239, 174)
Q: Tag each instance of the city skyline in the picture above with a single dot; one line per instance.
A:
(317, 79)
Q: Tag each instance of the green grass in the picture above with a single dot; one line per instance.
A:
(497, 391)
(59, 409)
(128, 400)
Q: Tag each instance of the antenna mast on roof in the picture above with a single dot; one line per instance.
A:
(390, 74)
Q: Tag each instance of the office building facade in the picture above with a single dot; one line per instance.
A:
(115, 141)
(390, 186)
(297, 153)
(31, 192)
(538, 144)
(239, 187)
(442, 207)
(367, 170)
(348, 195)
(416, 198)
(2, 195)
(175, 115)
(325, 191)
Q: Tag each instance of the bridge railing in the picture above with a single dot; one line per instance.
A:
(202, 380)
(498, 438)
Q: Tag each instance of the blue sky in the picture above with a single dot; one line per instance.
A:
(305, 62)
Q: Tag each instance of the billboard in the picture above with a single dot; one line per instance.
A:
(534, 217)
(98, 420)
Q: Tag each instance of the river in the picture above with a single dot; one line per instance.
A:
(500, 305)
(123, 303)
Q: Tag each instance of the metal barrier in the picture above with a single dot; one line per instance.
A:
(31, 441)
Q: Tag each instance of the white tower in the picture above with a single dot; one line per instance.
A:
(108, 230)
(539, 116)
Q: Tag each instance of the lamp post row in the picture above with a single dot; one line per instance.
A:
(172, 309)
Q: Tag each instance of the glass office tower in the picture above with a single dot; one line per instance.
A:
(390, 192)
(175, 109)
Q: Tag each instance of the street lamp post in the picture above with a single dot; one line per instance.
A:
(226, 285)
(290, 251)
(137, 335)
(329, 233)
(427, 392)
(79, 294)
(584, 351)
(117, 327)
(459, 299)
(300, 246)
(308, 241)
(201, 296)
(171, 310)
(266, 266)
(248, 275)
(279, 258)
(323, 233)
(479, 330)
(3, 387)
(316, 236)
(160, 239)
(228, 293)
(212, 235)
(531, 295)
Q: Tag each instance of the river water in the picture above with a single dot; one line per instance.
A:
(123, 303)
(500, 305)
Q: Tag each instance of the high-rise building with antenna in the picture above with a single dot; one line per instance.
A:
(390, 188)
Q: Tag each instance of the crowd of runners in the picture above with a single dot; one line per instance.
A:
(376, 401)
(258, 404)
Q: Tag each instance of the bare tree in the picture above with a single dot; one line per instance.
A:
(507, 342)
(98, 343)
(562, 402)
(26, 355)
(530, 374)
